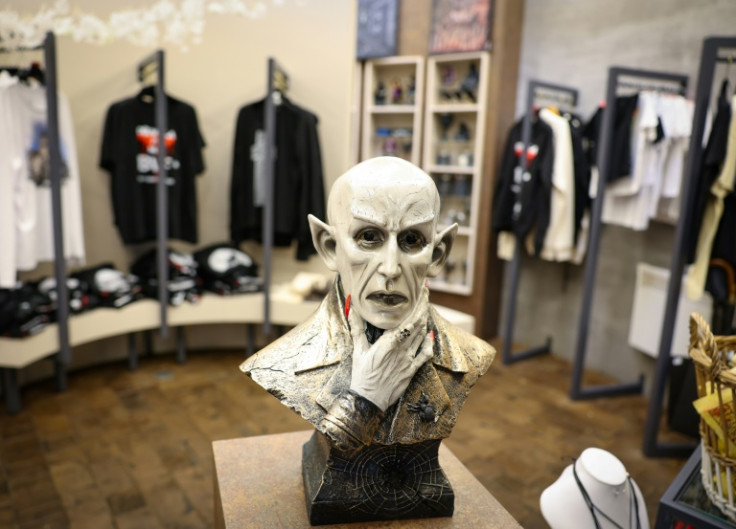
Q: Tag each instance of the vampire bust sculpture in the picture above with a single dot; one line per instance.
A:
(379, 373)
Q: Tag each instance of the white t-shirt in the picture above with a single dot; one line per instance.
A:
(7, 211)
(656, 167)
(25, 163)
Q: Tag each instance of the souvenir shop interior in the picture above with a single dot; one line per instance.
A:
(583, 154)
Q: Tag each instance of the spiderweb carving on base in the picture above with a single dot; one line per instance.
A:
(382, 483)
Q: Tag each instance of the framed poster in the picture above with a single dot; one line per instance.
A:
(377, 28)
(460, 25)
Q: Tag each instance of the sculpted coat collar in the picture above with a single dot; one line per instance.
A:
(334, 348)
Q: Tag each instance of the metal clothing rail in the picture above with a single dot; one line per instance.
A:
(155, 63)
(617, 77)
(536, 91)
(278, 81)
(711, 54)
(64, 356)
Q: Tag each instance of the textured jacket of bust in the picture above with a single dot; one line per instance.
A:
(309, 368)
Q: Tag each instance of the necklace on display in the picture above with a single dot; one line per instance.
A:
(633, 502)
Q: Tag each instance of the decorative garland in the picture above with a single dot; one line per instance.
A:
(178, 23)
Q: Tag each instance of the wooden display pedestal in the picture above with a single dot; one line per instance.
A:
(258, 484)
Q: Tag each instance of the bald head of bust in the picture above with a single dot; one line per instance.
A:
(382, 238)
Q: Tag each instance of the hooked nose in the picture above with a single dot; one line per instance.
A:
(389, 266)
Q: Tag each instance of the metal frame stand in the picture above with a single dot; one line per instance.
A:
(616, 77)
(181, 346)
(277, 79)
(250, 340)
(712, 47)
(155, 63)
(132, 352)
(535, 92)
(10, 387)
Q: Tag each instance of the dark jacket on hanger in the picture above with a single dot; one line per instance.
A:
(710, 167)
(298, 182)
(581, 168)
(535, 193)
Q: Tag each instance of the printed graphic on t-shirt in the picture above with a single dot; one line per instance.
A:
(39, 163)
(147, 158)
(258, 156)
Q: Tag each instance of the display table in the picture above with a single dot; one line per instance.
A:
(686, 501)
(258, 484)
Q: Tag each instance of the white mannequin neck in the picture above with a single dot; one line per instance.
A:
(604, 479)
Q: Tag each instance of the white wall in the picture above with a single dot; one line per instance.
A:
(314, 40)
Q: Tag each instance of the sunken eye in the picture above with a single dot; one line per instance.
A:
(411, 241)
(369, 238)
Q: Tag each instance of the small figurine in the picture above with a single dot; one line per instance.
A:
(469, 86)
(411, 89)
(445, 123)
(396, 92)
(448, 75)
(463, 132)
(389, 146)
(379, 96)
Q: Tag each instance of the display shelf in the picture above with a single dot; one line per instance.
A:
(393, 100)
(392, 109)
(453, 169)
(143, 315)
(454, 136)
(453, 107)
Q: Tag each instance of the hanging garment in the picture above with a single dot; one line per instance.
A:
(8, 267)
(713, 157)
(298, 181)
(560, 235)
(721, 188)
(526, 191)
(622, 142)
(26, 178)
(660, 136)
(581, 167)
(130, 154)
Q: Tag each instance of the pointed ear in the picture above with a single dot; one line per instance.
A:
(442, 247)
(323, 237)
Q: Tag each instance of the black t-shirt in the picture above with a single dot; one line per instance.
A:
(130, 154)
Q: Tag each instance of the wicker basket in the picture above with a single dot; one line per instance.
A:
(716, 379)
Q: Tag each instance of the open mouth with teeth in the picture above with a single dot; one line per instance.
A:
(387, 299)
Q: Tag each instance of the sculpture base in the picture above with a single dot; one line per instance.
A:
(378, 483)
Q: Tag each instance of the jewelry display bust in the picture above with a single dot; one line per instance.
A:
(376, 370)
(594, 492)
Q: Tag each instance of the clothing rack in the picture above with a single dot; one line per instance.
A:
(278, 82)
(536, 90)
(617, 77)
(155, 63)
(711, 54)
(64, 356)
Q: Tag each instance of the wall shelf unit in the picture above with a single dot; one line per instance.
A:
(455, 124)
(393, 99)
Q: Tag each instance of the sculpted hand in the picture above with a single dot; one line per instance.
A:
(382, 371)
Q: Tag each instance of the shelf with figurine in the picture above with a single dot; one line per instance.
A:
(457, 86)
(393, 100)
